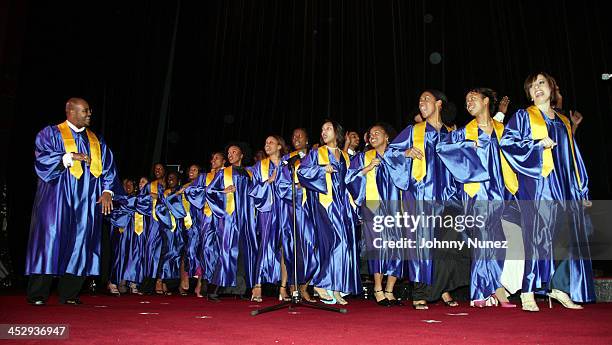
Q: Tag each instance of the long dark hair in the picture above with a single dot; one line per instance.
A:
(448, 111)
(339, 132)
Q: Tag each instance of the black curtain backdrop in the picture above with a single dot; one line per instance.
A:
(242, 70)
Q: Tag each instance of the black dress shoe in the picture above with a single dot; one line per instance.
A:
(72, 301)
(36, 301)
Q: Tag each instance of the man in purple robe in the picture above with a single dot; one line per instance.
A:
(76, 183)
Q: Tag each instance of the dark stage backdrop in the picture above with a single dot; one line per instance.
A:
(173, 81)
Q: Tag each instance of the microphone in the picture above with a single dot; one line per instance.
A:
(293, 159)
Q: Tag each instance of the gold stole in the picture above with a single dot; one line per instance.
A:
(323, 153)
(138, 223)
(76, 169)
(228, 174)
(166, 193)
(264, 169)
(371, 187)
(296, 165)
(207, 210)
(539, 131)
(419, 166)
(154, 191)
(187, 220)
(510, 179)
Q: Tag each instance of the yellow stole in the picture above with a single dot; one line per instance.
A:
(138, 223)
(371, 187)
(154, 191)
(76, 169)
(187, 220)
(230, 204)
(166, 193)
(539, 131)
(323, 154)
(296, 165)
(419, 166)
(510, 179)
(207, 210)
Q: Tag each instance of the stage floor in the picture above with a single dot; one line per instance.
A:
(179, 320)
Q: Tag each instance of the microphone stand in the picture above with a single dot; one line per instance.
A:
(296, 297)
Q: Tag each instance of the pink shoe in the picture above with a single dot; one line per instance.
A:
(479, 304)
(503, 304)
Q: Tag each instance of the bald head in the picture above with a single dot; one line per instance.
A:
(78, 112)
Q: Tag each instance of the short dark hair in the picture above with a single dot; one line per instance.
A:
(551, 81)
(386, 127)
(487, 93)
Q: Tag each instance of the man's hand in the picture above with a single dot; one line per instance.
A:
(81, 157)
(107, 203)
(229, 189)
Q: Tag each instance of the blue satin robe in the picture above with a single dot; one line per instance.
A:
(153, 229)
(547, 203)
(386, 261)
(421, 197)
(65, 232)
(236, 231)
(482, 164)
(208, 251)
(191, 237)
(267, 225)
(131, 255)
(172, 241)
(307, 256)
(335, 226)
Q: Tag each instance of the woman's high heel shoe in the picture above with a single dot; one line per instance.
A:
(564, 299)
(324, 296)
(256, 297)
(339, 299)
(393, 300)
(528, 302)
(112, 288)
(501, 303)
(134, 289)
(280, 295)
(382, 302)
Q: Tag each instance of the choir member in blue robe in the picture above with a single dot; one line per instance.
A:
(76, 182)
(228, 198)
(191, 255)
(323, 172)
(307, 259)
(426, 185)
(124, 261)
(486, 185)
(209, 240)
(151, 204)
(172, 239)
(270, 264)
(373, 190)
(553, 192)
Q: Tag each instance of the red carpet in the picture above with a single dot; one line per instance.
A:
(180, 320)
